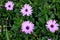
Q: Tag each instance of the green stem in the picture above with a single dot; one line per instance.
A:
(7, 34)
(46, 17)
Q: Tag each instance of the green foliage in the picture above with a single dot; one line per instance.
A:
(43, 10)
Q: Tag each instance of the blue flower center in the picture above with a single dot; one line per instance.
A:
(27, 27)
(52, 26)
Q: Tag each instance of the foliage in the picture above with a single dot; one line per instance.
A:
(43, 10)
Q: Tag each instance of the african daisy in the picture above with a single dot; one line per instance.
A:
(9, 5)
(52, 25)
(49, 38)
(27, 27)
(26, 10)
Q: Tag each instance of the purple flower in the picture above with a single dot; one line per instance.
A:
(26, 10)
(27, 27)
(49, 39)
(9, 5)
(52, 25)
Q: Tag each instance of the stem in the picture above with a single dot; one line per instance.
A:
(7, 30)
(46, 17)
(7, 34)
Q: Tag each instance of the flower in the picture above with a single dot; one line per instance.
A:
(49, 39)
(52, 25)
(9, 5)
(27, 27)
(26, 10)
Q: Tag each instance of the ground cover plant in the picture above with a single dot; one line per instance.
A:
(29, 19)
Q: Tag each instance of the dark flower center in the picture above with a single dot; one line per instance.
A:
(52, 26)
(27, 27)
(26, 10)
(9, 6)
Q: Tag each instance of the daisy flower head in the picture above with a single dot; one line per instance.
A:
(27, 27)
(26, 10)
(9, 5)
(49, 38)
(52, 25)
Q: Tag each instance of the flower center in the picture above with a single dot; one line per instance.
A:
(52, 26)
(26, 10)
(27, 27)
(9, 6)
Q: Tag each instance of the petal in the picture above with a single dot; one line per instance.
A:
(56, 25)
(52, 30)
(49, 22)
(54, 21)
